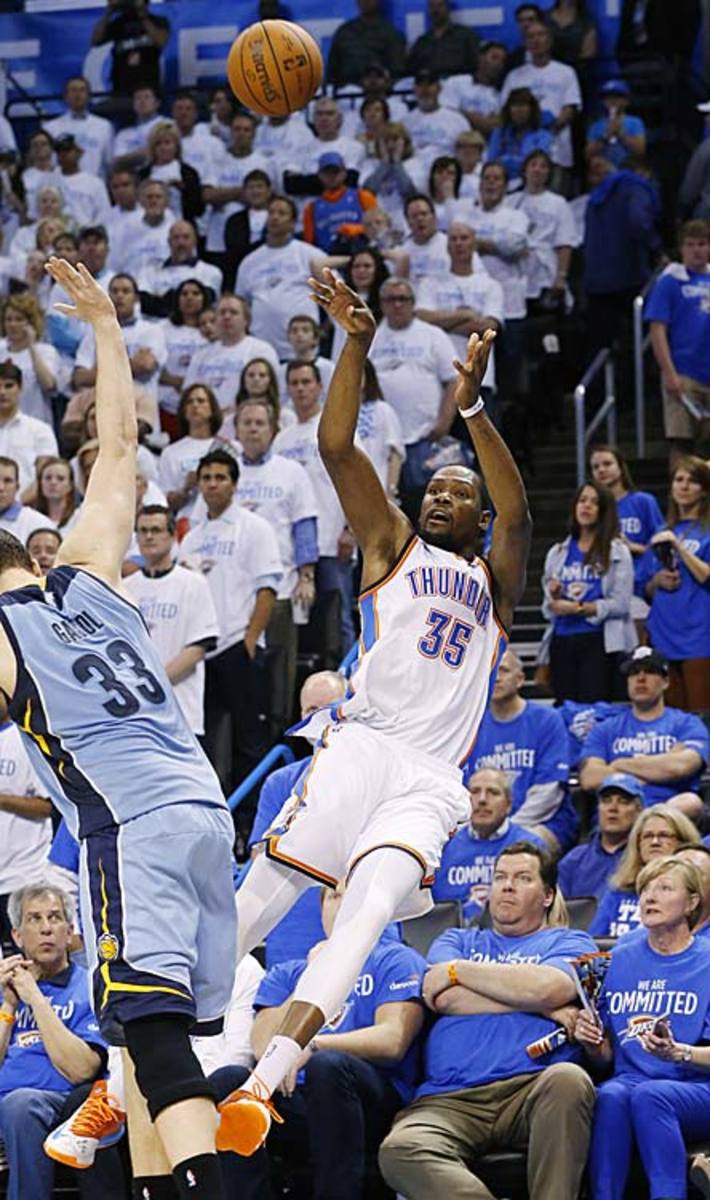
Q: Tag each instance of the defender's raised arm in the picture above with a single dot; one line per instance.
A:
(103, 531)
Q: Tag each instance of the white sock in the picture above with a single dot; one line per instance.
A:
(114, 1083)
(280, 1055)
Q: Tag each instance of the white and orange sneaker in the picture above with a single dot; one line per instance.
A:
(99, 1122)
(245, 1121)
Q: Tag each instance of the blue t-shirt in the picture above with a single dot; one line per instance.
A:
(618, 914)
(639, 518)
(531, 749)
(580, 720)
(684, 306)
(27, 1063)
(585, 870)
(625, 735)
(64, 851)
(463, 1052)
(679, 621)
(467, 862)
(581, 582)
(643, 986)
(392, 973)
(615, 152)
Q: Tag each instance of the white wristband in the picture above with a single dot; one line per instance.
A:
(473, 410)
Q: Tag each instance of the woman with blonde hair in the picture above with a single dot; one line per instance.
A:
(386, 174)
(165, 164)
(22, 326)
(657, 831)
(653, 1025)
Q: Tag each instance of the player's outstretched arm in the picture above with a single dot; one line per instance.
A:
(100, 538)
(512, 525)
(380, 528)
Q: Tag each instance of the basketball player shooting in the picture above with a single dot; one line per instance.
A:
(384, 789)
(84, 684)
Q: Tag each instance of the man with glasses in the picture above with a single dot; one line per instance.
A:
(585, 870)
(665, 748)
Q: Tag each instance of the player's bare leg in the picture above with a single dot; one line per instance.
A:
(376, 891)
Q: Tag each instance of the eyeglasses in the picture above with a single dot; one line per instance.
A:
(658, 837)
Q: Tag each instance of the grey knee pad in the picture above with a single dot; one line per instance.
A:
(167, 1069)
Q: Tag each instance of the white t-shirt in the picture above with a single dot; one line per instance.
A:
(435, 130)
(291, 142)
(300, 443)
(22, 520)
(33, 402)
(116, 222)
(34, 181)
(179, 611)
(24, 841)
(509, 230)
(463, 93)
(230, 171)
(379, 431)
(478, 291)
(161, 278)
(233, 1047)
(274, 279)
(181, 343)
(413, 365)
(26, 439)
(430, 258)
(85, 198)
(555, 86)
(138, 334)
(94, 135)
(551, 226)
(353, 153)
(176, 462)
(326, 366)
(353, 125)
(201, 151)
(139, 245)
(238, 553)
(279, 490)
(220, 367)
(135, 137)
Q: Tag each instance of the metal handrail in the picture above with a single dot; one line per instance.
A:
(602, 362)
(268, 762)
(641, 345)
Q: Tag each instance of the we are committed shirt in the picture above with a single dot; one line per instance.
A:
(531, 749)
(413, 366)
(681, 300)
(642, 987)
(467, 863)
(464, 1052)
(679, 621)
(625, 735)
(619, 912)
(391, 974)
(580, 582)
(279, 490)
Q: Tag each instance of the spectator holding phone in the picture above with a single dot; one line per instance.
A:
(654, 1016)
(138, 39)
(677, 585)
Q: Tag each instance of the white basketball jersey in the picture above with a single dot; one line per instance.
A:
(429, 648)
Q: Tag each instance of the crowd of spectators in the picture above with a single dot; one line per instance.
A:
(459, 185)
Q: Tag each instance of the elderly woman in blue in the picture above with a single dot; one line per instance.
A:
(654, 1018)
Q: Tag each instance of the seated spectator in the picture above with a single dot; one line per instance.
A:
(448, 48)
(468, 150)
(142, 239)
(25, 826)
(245, 229)
(425, 246)
(165, 163)
(699, 856)
(219, 364)
(25, 440)
(366, 38)
(665, 748)
(638, 512)
(145, 343)
(552, 236)
(56, 493)
(477, 95)
(43, 545)
(223, 188)
(49, 206)
(158, 284)
(137, 38)
(130, 148)
(304, 332)
(659, 1092)
(183, 338)
(519, 133)
(678, 308)
(585, 869)
(207, 324)
(94, 134)
(556, 87)
(493, 991)
(339, 210)
(574, 34)
(40, 170)
(677, 584)
(526, 739)
(123, 188)
(694, 194)
(587, 585)
(468, 859)
(198, 421)
(22, 326)
(386, 174)
(273, 278)
(50, 1044)
(617, 136)
(432, 128)
(85, 197)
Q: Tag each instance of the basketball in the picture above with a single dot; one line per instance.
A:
(274, 68)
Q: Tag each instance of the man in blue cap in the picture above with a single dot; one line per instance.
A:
(338, 211)
(617, 136)
(585, 870)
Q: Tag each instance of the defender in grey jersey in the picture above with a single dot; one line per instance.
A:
(87, 689)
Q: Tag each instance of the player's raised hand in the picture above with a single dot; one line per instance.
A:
(342, 305)
(91, 303)
(471, 372)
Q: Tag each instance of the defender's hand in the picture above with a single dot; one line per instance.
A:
(91, 303)
(472, 371)
(342, 305)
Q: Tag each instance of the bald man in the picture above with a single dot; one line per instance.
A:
(158, 282)
(528, 741)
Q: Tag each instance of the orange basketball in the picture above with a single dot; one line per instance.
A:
(275, 67)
